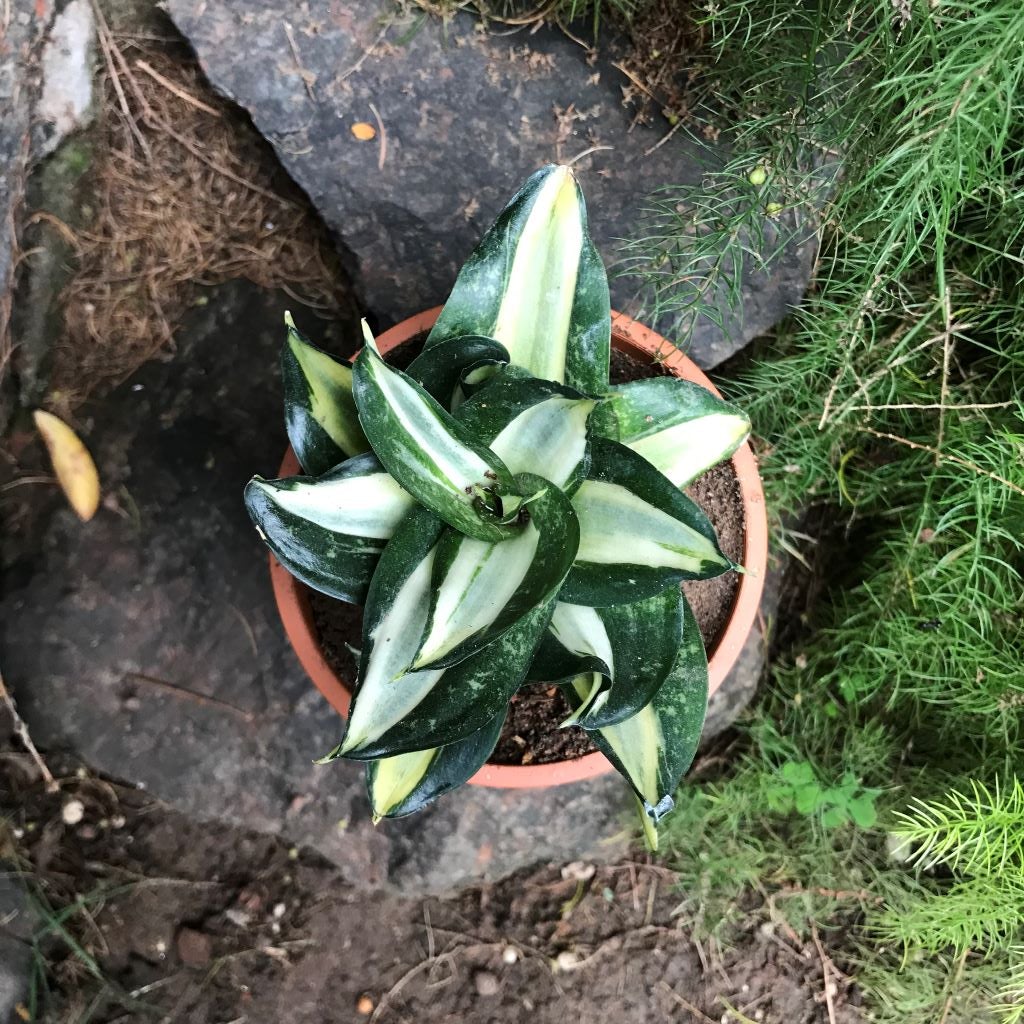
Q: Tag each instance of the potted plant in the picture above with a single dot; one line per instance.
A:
(505, 515)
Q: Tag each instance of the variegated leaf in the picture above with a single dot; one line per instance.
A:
(536, 284)
(653, 748)
(638, 532)
(480, 589)
(631, 646)
(678, 426)
(319, 410)
(533, 426)
(453, 369)
(329, 531)
(429, 453)
(397, 709)
(406, 783)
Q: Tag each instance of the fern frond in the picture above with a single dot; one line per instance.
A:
(977, 833)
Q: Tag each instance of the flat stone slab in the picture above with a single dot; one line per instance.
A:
(461, 117)
(148, 642)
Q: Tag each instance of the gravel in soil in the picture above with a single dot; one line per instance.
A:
(198, 923)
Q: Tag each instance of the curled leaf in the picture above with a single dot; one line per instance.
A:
(76, 472)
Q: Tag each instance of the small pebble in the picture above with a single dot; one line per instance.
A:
(364, 1005)
(579, 870)
(279, 909)
(118, 821)
(509, 955)
(567, 960)
(73, 812)
(486, 983)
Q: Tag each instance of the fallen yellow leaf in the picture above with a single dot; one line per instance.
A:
(363, 131)
(76, 472)
(22, 1011)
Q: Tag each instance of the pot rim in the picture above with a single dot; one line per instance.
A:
(634, 339)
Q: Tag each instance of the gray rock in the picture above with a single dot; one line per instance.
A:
(464, 117)
(65, 104)
(147, 641)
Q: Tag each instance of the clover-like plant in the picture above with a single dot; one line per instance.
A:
(505, 515)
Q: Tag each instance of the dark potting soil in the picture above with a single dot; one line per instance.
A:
(531, 734)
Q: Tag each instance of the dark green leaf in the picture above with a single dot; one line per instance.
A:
(406, 783)
(443, 369)
(536, 284)
(429, 453)
(678, 426)
(329, 531)
(319, 410)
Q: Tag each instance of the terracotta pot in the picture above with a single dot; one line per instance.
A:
(636, 340)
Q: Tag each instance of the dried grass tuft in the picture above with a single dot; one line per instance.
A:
(186, 195)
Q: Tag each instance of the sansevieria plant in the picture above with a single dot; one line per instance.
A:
(505, 515)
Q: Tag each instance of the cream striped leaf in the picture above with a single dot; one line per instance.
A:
(480, 589)
(458, 701)
(533, 426)
(319, 410)
(400, 785)
(638, 532)
(633, 646)
(653, 748)
(428, 452)
(396, 708)
(329, 531)
(536, 284)
(678, 426)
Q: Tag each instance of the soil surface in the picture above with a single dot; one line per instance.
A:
(205, 923)
(531, 733)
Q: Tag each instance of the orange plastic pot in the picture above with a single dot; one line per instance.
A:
(636, 340)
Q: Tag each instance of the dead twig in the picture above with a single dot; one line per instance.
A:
(21, 731)
(198, 698)
(668, 135)
(383, 135)
(943, 408)
(366, 53)
(176, 90)
(587, 152)
(110, 54)
(300, 69)
(826, 970)
(694, 1011)
(947, 347)
(942, 456)
(954, 981)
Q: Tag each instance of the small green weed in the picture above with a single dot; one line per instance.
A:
(799, 789)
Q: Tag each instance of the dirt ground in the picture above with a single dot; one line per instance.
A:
(171, 920)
